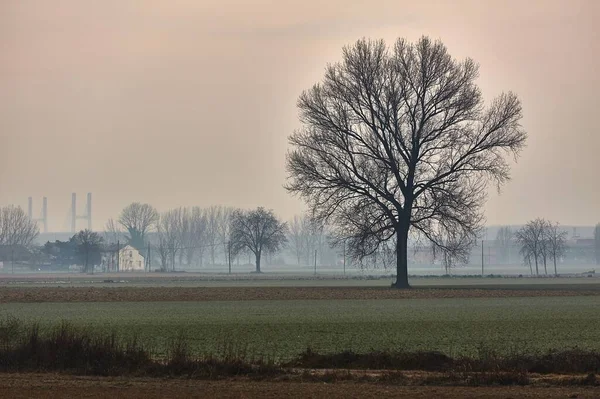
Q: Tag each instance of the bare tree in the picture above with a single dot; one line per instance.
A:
(163, 249)
(168, 238)
(258, 231)
(138, 219)
(597, 243)
(16, 229)
(112, 232)
(504, 240)
(449, 261)
(530, 238)
(183, 223)
(398, 139)
(296, 237)
(545, 245)
(213, 215)
(556, 242)
(89, 247)
(197, 243)
(224, 230)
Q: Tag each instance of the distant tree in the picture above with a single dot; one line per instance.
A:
(169, 238)
(258, 231)
(112, 232)
(597, 243)
(213, 216)
(62, 253)
(194, 240)
(138, 219)
(224, 230)
(89, 248)
(305, 236)
(545, 245)
(530, 239)
(16, 229)
(504, 239)
(556, 242)
(397, 139)
(296, 237)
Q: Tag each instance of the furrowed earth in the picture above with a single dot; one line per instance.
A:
(273, 319)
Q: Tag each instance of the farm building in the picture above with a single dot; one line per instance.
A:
(129, 260)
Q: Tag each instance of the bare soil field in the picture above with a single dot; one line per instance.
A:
(63, 386)
(139, 279)
(183, 294)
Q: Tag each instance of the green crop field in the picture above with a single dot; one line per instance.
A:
(282, 329)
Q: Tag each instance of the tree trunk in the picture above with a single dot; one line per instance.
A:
(555, 272)
(545, 268)
(537, 272)
(258, 262)
(401, 258)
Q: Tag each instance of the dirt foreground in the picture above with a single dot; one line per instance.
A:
(62, 386)
(145, 294)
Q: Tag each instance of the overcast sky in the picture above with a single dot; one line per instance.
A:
(190, 102)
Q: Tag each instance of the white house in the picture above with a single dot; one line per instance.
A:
(130, 260)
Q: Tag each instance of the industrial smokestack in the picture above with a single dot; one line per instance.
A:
(89, 210)
(73, 212)
(45, 214)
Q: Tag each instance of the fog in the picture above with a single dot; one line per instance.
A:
(184, 102)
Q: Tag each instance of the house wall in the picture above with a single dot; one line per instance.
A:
(130, 260)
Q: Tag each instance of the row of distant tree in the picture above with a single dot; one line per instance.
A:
(185, 236)
(541, 241)
(188, 235)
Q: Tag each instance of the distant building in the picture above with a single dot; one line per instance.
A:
(129, 260)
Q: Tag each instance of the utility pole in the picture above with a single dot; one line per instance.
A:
(344, 257)
(148, 259)
(173, 256)
(315, 262)
(229, 255)
(481, 258)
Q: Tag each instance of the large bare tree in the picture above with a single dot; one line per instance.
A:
(397, 140)
(259, 231)
(138, 219)
(16, 229)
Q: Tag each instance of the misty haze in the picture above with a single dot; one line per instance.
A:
(302, 199)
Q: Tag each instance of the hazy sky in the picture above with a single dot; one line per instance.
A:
(190, 102)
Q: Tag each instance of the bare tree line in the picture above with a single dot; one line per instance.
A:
(16, 229)
(306, 235)
(190, 236)
(540, 241)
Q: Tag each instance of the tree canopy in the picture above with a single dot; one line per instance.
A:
(397, 140)
(258, 231)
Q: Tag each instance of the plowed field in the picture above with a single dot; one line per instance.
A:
(19, 386)
(185, 294)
